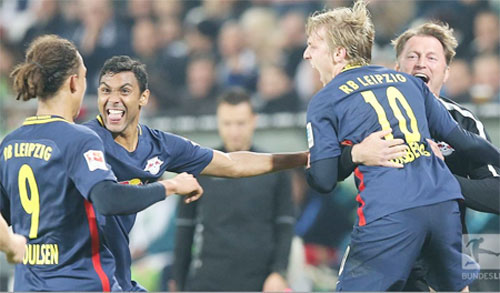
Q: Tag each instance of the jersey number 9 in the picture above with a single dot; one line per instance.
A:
(30, 204)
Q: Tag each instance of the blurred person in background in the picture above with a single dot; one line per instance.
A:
(239, 238)
(146, 47)
(291, 25)
(100, 35)
(486, 34)
(275, 91)
(201, 90)
(486, 80)
(238, 64)
(459, 82)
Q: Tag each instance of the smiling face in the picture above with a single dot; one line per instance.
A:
(120, 101)
(424, 56)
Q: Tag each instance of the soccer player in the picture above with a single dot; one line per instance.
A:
(398, 208)
(11, 244)
(50, 172)
(427, 51)
(139, 154)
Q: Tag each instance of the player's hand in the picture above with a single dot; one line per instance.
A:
(17, 249)
(184, 184)
(275, 283)
(376, 151)
(435, 149)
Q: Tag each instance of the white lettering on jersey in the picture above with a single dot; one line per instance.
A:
(95, 160)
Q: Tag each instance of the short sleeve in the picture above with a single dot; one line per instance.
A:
(86, 163)
(321, 135)
(187, 156)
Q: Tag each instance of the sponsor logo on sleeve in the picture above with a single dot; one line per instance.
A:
(95, 160)
(310, 137)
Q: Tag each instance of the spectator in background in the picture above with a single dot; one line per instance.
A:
(486, 34)
(275, 91)
(459, 82)
(259, 25)
(99, 36)
(146, 45)
(291, 26)
(238, 239)
(486, 70)
(201, 90)
(237, 66)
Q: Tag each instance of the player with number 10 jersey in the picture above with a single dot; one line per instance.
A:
(362, 100)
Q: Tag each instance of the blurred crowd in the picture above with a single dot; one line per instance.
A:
(195, 48)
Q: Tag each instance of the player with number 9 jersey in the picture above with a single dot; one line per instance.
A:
(365, 99)
(47, 168)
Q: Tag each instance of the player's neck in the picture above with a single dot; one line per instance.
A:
(55, 106)
(128, 139)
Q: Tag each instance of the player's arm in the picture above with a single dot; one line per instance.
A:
(112, 198)
(246, 164)
(12, 244)
(481, 194)
(374, 150)
(443, 127)
(322, 175)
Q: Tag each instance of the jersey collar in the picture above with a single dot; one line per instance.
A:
(41, 119)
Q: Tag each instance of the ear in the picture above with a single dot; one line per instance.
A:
(144, 98)
(446, 74)
(396, 66)
(339, 54)
(73, 83)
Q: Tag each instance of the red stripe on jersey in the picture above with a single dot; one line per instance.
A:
(361, 215)
(94, 237)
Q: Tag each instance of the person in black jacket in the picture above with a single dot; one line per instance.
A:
(426, 51)
(239, 237)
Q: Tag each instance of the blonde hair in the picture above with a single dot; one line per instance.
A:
(348, 28)
(441, 31)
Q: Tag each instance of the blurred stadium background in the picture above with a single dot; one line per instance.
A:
(195, 49)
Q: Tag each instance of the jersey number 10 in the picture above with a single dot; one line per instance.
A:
(394, 96)
(30, 205)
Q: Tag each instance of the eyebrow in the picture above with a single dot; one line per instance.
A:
(122, 86)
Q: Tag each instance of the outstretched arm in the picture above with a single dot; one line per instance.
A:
(322, 175)
(246, 164)
(11, 244)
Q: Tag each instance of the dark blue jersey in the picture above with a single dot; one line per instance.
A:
(366, 99)
(47, 168)
(156, 152)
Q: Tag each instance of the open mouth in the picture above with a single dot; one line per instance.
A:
(115, 116)
(422, 76)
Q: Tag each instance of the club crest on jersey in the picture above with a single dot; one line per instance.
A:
(95, 160)
(153, 165)
(445, 148)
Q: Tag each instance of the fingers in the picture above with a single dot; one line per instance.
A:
(194, 196)
(382, 133)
